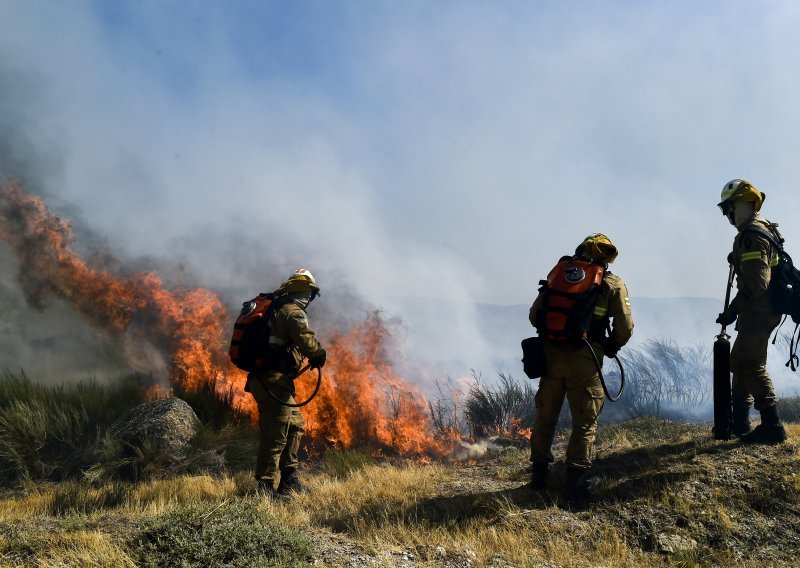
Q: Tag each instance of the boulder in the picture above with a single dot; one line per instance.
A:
(167, 424)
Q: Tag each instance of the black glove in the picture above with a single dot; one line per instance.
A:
(611, 347)
(727, 317)
(318, 360)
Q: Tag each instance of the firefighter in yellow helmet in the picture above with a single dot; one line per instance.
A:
(291, 339)
(570, 371)
(754, 254)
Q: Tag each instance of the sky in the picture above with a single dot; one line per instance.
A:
(446, 152)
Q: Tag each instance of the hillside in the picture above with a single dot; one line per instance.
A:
(671, 496)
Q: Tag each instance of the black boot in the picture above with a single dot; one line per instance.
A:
(266, 487)
(538, 476)
(580, 485)
(741, 420)
(770, 431)
(290, 483)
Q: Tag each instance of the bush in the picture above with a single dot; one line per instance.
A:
(48, 432)
(56, 432)
(665, 379)
(500, 410)
(222, 534)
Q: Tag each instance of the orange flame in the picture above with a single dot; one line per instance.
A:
(362, 400)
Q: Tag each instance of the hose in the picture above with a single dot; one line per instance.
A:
(600, 372)
(309, 399)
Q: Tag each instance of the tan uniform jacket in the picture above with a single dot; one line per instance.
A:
(613, 303)
(290, 331)
(753, 258)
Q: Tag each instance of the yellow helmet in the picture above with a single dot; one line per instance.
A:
(300, 281)
(598, 247)
(740, 190)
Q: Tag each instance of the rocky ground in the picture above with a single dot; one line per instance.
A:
(669, 491)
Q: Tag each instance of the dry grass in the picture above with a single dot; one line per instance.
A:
(659, 479)
(405, 508)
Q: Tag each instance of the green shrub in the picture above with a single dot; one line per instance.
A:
(219, 534)
(49, 432)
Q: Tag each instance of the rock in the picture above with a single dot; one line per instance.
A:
(674, 543)
(168, 424)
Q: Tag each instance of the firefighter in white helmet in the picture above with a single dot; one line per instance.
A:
(282, 427)
(754, 254)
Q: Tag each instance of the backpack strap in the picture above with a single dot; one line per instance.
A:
(794, 361)
(778, 242)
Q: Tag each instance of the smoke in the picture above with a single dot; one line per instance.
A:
(416, 159)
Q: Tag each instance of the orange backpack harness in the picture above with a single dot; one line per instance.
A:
(570, 294)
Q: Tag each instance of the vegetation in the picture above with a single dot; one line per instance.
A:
(237, 533)
(57, 432)
(499, 410)
(670, 494)
(49, 432)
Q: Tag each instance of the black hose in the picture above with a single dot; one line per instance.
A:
(309, 399)
(600, 372)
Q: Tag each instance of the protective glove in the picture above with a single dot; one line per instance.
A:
(726, 318)
(729, 316)
(318, 360)
(611, 347)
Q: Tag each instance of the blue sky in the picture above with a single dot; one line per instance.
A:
(442, 150)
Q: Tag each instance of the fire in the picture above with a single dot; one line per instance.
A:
(362, 399)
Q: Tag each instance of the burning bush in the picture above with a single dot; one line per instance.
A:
(504, 410)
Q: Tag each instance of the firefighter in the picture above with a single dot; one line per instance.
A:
(570, 371)
(282, 427)
(753, 257)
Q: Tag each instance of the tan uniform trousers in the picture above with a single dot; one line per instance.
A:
(281, 426)
(751, 381)
(571, 372)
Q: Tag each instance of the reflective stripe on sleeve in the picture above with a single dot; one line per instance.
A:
(755, 255)
(600, 311)
(774, 262)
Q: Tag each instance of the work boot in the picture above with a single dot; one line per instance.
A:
(580, 485)
(741, 420)
(538, 480)
(770, 431)
(266, 488)
(290, 483)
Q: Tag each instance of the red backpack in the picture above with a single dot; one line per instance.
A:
(570, 294)
(249, 348)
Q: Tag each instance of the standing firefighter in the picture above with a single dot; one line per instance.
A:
(579, 301)
(753, 257)
(290, 340)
